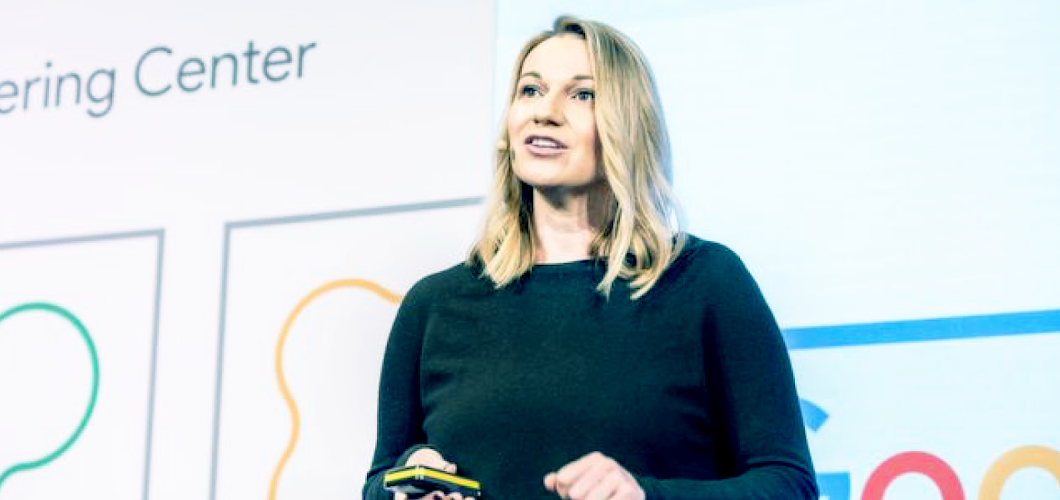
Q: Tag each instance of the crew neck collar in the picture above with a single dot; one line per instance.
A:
(573, 266)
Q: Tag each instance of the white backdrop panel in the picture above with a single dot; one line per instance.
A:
(333, 348)
(392, 106)
(77, 366)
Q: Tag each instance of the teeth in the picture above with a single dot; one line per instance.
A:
(544, 142)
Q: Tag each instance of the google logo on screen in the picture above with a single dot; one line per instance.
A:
(836, 485)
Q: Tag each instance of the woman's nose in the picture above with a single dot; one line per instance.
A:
(548, 109)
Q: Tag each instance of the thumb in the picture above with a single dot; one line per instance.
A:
(550, 481)
(450, 467)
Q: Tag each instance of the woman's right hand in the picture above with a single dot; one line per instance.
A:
(430, 457)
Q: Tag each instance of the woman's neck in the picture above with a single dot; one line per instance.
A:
(565, 222)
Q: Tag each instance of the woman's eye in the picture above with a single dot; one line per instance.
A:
(529, 91)
(585, 95)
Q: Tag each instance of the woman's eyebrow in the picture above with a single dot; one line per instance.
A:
(535, 74)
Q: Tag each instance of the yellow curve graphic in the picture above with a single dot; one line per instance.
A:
(291, 318)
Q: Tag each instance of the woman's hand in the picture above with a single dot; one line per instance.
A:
(431, 458)
(594, 477)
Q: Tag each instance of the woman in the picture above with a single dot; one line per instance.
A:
(586, 350)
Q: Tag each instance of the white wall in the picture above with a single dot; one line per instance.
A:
(392, 108)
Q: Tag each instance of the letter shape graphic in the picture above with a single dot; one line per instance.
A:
(936, 469)
(68, 316)
(291, 405)
(833, 485)
(1013, 461)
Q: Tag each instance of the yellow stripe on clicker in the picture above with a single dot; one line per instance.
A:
(437, 474)
(288, 398)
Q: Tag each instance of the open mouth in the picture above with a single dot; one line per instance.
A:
(544, 146)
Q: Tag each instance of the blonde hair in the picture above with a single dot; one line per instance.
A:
(639, 239)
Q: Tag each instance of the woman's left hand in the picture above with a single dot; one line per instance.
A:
(594, 477)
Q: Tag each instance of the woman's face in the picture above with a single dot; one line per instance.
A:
(551, 124)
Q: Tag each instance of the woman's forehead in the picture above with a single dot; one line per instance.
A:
(559, 57)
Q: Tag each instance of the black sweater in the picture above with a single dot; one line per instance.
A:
(689, 387)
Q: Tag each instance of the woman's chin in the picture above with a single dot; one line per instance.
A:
(554, 177)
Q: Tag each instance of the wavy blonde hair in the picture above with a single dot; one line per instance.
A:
(639, 238)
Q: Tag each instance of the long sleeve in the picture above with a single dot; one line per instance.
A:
(400, 415)
(749, 372)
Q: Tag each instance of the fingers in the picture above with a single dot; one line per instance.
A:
(434, 495)
(604, 489)
(588, 476)
(567, 476)
(430, 458)
(550, 481)
(594, 477)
